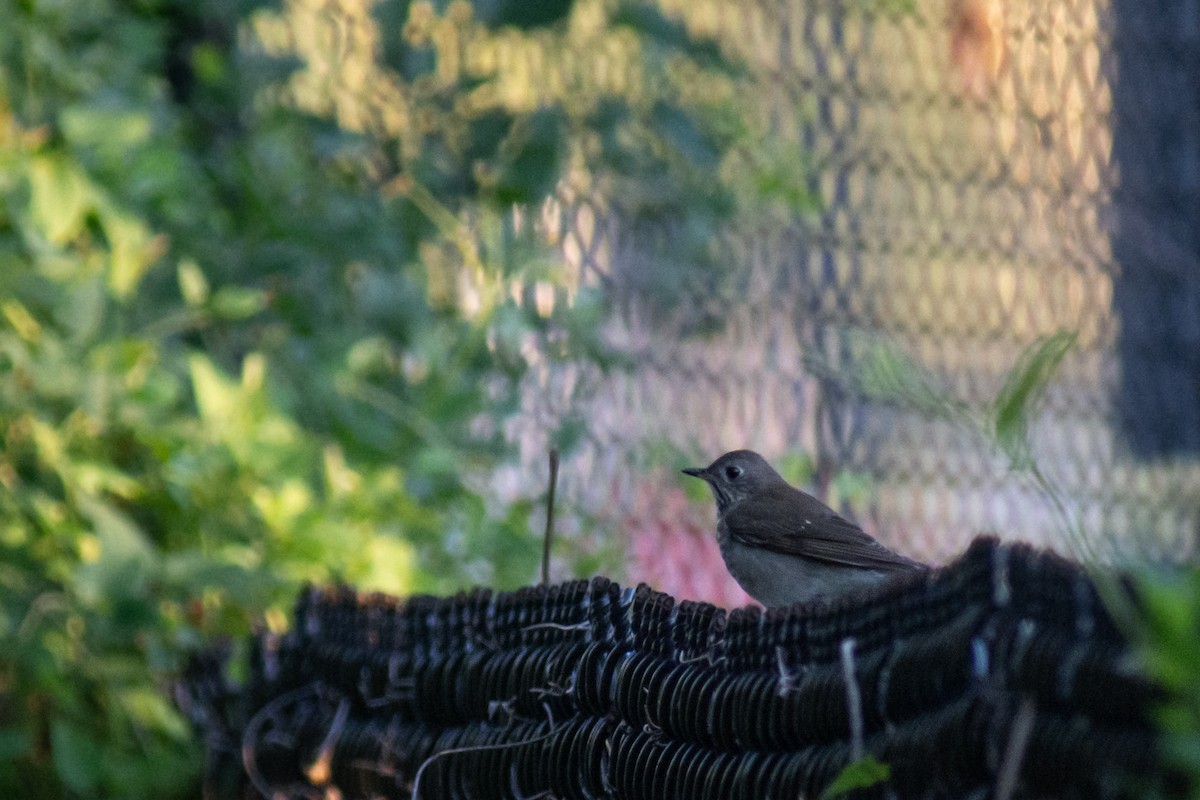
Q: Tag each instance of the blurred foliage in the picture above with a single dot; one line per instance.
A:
(1023, 388)
(885, 373)
(1169, 635)
(248, 340)
(1164, 622)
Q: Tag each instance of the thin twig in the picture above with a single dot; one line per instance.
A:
(549, 535)
(1014, 752)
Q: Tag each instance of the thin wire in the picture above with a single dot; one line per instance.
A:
(416, 790)
(853, 699)
(1014, 752)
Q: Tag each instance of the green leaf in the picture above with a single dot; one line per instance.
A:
(61, 197)
(14, 743)
(218, 398)
(209, 63)
(111, 130)
(120, 537)
(192, 283)
(887, 373)
(860, 774)
(1183, 747)
(77, 757)
(390, 564)
(83, 313)
(1025, 386)
(653, 25)
(150, 709)
(1172, 619)
(533, 161)
(238, 302)
(486, 132)
(523, 14)
(133, 247)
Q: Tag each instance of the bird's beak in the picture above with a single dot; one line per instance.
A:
(697, 472)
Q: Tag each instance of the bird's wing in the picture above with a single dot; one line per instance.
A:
(820, 535)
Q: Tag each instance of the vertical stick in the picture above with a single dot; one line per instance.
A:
(549, 535)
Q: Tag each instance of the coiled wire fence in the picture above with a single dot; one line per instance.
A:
(1000, 675)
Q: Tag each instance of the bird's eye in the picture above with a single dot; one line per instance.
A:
(732, 471)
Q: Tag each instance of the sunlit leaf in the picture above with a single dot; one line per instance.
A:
(61, 197)
(21, 320)
(151, 709)
(237, 302)
(133, 249)
(391, 563)
(99, 477)
(111, 129)
(217, 396)
(192, 283)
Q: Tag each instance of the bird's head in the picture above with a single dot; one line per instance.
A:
(737, 475)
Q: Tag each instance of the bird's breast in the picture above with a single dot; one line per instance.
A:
(778, 579)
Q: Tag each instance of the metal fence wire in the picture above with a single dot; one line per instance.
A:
(986, 172)
(983, 173)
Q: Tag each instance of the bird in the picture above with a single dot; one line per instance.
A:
(784, 546)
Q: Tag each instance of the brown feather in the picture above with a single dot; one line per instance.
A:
(809, 530)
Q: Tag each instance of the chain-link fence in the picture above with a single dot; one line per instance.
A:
(986, 173)
(980, 174)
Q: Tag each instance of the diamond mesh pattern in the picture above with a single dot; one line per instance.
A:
(982, 173)
(974, 194)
